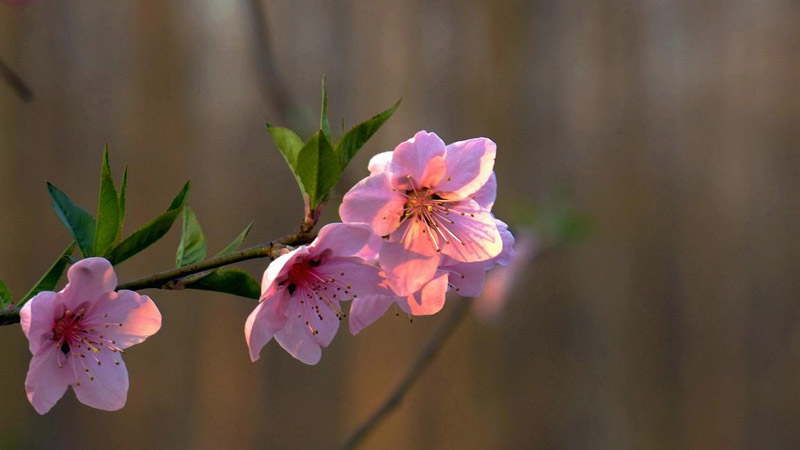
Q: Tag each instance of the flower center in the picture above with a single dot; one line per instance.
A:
(430, 211)
(315, 290)
(76, 336)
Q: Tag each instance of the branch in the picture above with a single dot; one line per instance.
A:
(171, 278)
(16, 82)
(423, 360)
(165, 280)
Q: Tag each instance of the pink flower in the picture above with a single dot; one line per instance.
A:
(77, 337)
(301, 291)
(429, 201)
(466, 279)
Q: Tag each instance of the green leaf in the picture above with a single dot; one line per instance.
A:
(230, 281)
(123, 190)
(107, 211)
(81, 224)
(5, 296)
(324, 125)
(151, 232)
(234, 246)
(318, 168)
(50, 279)
(287, 142)
(353, 140)
(180, 200)
(192, 248)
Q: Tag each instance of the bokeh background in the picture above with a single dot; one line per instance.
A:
(675, 125)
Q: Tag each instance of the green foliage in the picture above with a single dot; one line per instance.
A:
(108, 211)
(79, 222)
(353, 140)
(50, 279)
(152, 231)
(5, 296)
(192, 248)
(324, 124)
(236, 243)
(317, 164)
(123, 190)
(317, 168)
(228, 281)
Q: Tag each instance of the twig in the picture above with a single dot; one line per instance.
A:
(423, 359)
(166, 280)
(16, 82)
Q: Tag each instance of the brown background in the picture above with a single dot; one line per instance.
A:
(674, 123)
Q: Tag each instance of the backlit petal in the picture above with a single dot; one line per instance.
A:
(346, 239)
(380, 163)
(89, 279)
(418, 162)
(366, 310)
(411, 263)
(469, 166)
(487, 194)
(477, 230)
(373, 201)
(428, 300)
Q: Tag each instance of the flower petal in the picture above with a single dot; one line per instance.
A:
(375, 202)
(469, 166)
(411, 263)
(89, 279)
(138, 314)
(466, 278)
(362, 278)
(507, 255)
(346, 239)
(380, 163)
(428, 300)
(265, 320)
(364, 311)
(38, 317)
(418, 162)
(475, 228)
(296, 339)
(487, 194)
(46, 382)
(278, 269)
(109, 388)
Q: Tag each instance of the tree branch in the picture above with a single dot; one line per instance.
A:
(423, 360)
(168, 279)
(15, 81)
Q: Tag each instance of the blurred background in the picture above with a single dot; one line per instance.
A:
(674, 125)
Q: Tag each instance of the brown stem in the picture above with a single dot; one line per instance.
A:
(16, 82)
(166, 280)
(422, 361)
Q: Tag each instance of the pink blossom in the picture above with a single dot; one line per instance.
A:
(77, 337)
(466, 279)
(429, 201)
(301, 291)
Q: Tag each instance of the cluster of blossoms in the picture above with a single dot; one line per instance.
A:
(419, 225)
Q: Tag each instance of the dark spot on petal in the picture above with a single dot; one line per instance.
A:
(314, 262)
(292, 287)
(65, 348)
